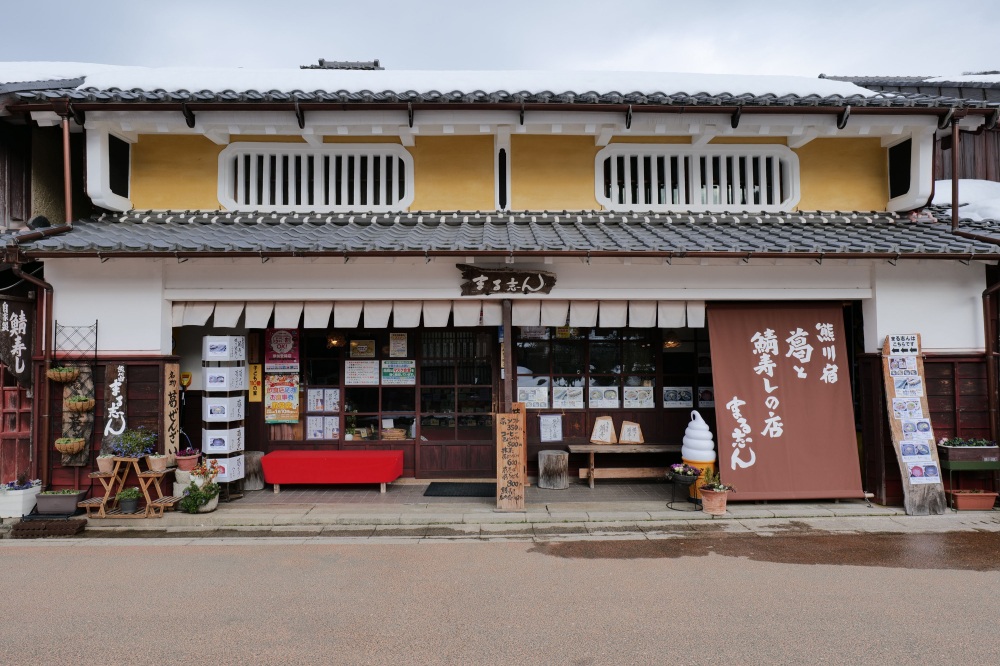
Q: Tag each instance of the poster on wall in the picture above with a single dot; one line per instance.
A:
(774, 366)
(331, 427)
(605, 397)
(550, 427)
(281, 399)
(399, 373)
(567, 397)
(361, 373)
(677, 396)
(533, 397)
(331, 400)
(639, 398)
(314, 427)
(706, 396)
(281, 350)
(397, 345)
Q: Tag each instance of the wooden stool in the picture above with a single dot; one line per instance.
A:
(553, 470)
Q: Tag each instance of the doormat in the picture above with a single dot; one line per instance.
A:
(444, 489)
(36, 529)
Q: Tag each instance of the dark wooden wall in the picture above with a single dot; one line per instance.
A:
(979, 156)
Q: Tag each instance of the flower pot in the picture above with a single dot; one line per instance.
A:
(713, 502)
(187, 463)
(963, 500)
(84, 406)
(63, 376)
(682, 479)
(17, 503)
(128, 505)
(70, 445)
(60, 504)
(209, 506)
(156, 464)
(106, 464)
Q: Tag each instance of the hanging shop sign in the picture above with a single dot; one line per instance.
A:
(171, 407)
(479, 281)
(784, 411)
(281, 399)
(16, 316)
(281, 350)
(114, 400)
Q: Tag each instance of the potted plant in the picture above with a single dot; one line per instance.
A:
(202, 494)
(105, 462)
(714, 494)
(960, 449)
(156, 462)
(62, 373)
(17, 498)
(187, 459)
(60, 501)
(128, 499)
(683, 474)
(972, 500)
(78, 403)
(70, 445)
(133, 443)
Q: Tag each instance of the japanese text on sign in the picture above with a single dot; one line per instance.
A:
(479, 281)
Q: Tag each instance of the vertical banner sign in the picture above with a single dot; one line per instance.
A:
(16, 316)
(518, 408)
(909, 419)
(281, 399)
(281, 350)
(171, 408)
(256, 383)
(783, 402)
(114, 400)
(510, 459)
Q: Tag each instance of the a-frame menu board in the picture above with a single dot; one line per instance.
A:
(912, 434)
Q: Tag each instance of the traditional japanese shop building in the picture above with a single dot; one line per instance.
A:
(409, 252)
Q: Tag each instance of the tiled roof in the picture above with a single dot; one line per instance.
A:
(856, 234)
(136, 96)
(986, 91)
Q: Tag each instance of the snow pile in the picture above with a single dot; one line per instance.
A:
(105, 77)
(978, 199)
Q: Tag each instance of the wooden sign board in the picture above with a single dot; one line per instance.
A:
(631, 433)
(518, 408)
(511, 459)
(115, 393)
(604, 431)
(909, 419)
(171, 408)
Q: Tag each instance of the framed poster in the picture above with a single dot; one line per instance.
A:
(533, 397)
(314, 400)
(397, 345)
(567, 397)
(331, 399)
(314, 427)
(678, 396)
(399, 373)
(550, 427)
(331, 427)
(639, 397)
(706, 396)
(361, 373)
(605, 397)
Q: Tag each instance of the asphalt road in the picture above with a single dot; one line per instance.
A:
(747, 599)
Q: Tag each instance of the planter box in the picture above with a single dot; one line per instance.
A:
(60, 504)
(969, 453)
(17, 503)
(966, 501)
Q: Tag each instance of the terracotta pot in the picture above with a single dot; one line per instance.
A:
(187, 463)
(713, 502)
(158, 464)
(966, 501)
(105, 465)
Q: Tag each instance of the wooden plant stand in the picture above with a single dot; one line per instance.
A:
(114, 482)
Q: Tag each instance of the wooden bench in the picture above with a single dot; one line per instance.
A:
(592, 472)
(329, 467)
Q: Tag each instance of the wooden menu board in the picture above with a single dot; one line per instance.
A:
(909, 419)
(518, 408)
(511, 459)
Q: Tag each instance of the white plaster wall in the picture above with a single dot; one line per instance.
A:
(940, 300)
(125, 297)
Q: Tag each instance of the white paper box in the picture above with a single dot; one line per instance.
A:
(223, 348)
(232, 378)
(222, 410)
(222, 441)
(230, 469)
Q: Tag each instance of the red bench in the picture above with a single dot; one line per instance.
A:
(327, 467)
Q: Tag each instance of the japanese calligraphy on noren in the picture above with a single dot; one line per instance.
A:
(479, 281)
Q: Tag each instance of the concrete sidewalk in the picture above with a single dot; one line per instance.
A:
(403, 513)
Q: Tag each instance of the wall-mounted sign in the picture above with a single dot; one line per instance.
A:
(256, 383)
(171, 407)
(114, 399)
(362, 349)
(397, 345)
(479, 281)
(399, 373)
(15, 338)
(361, 373)
(281, 350)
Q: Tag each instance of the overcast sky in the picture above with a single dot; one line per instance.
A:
(799, 37)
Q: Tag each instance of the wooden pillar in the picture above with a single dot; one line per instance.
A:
(510, 372)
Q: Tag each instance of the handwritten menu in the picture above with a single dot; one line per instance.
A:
(510, 460)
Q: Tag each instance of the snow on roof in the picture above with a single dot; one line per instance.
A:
(965, 78)
(106, 77)
(978, 199)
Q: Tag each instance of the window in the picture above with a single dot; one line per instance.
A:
(288, 177)
(456, 394)
(119, 156)
(710, 178)
(899, 168)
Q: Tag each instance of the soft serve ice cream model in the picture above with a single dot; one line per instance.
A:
(698, 447)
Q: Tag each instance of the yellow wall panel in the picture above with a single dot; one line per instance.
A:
(453, 173)
(552, 172)
(843, 174)
(175, 173)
